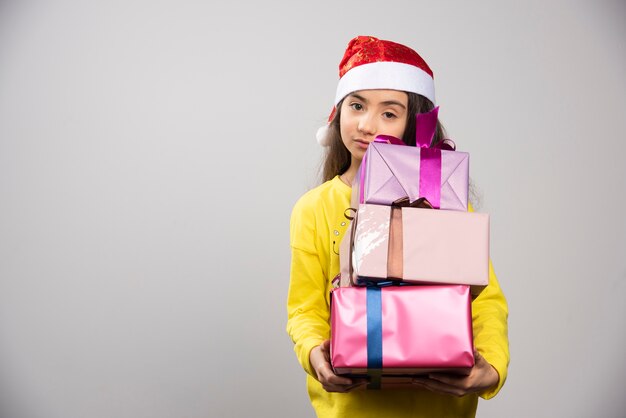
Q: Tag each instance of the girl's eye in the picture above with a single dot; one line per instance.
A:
(389, 115)
(356, 106)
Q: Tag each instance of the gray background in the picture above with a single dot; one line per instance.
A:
(151, 151)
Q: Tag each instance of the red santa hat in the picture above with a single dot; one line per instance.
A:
(371, 63)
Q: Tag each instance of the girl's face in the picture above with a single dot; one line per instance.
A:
(368, 113)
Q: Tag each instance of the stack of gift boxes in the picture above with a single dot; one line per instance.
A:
(411, 262)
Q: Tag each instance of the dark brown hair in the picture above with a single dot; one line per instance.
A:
(337, 158)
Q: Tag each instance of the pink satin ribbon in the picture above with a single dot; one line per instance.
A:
(430, 157)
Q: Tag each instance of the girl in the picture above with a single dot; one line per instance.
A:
(382, 86)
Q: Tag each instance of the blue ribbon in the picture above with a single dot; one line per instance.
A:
(374, 336)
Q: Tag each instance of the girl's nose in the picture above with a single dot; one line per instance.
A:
(367, 125)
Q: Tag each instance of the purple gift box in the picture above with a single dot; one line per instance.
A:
(390, 171)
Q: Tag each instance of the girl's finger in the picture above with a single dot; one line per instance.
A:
(438, 387)
(458, 381)
(356, 386)
(338, 380)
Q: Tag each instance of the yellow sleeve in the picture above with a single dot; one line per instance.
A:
(307, 300)
(489, 318)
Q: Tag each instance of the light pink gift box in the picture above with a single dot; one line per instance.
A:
(424, 328)
(421, 246)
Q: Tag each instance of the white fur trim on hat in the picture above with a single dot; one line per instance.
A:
(386, 75)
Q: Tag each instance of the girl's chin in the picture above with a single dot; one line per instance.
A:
(358, 154)
(358, 149)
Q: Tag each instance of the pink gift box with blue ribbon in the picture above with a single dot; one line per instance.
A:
(401, 330)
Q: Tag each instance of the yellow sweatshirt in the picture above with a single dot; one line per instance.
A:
(317, 227)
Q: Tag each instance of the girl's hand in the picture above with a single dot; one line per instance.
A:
(320, 361)
(481, 377)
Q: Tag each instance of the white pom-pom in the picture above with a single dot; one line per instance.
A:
(322, 136)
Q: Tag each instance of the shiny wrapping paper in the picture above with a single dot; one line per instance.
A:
(391, 172)
(423, 329)
(421, 246)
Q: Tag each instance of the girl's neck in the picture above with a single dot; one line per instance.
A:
(350, 173)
